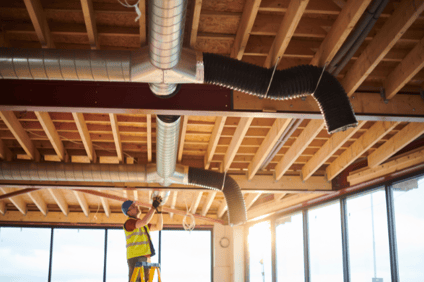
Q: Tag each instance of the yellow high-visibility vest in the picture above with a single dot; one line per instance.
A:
(138, 243)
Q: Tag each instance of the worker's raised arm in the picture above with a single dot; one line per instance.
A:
(159, 225)
(146, 219)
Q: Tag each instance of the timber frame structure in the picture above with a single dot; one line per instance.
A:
(221, 130)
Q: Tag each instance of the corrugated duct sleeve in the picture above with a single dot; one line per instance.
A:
(232, 193)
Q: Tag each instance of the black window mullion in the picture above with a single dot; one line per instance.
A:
(392, 234)
(306, 245)
(345, 240)
(105, 257)
(51, 255)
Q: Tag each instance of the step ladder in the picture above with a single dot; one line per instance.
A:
(139, 270)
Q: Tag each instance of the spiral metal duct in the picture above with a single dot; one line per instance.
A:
(168, 130)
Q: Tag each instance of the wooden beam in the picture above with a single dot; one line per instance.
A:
(20, 134)
(39, 21)
(38, 201)
(360, 146)
(17, 201)
(83, 202)
(85, 136)
(405, 71)
(183, 131)
(60, 200)
(409, 159)
(248, 17)
(195, 202)
(142, 22)
(105, 205)
(90, 23)
(238, 136)
(339, 31)
(173, 202)
(222, 209)
(270, 207)
(2, 207)
(149, 137)
(278, 128)
(116, 136)
(285, 31)
(213, 141)
(146, 205)
(278, 197)
(208, 202)
(251, 199)
(402, 18)
(325, 152)
(51, 132)
(195, 24)
(305, 138)
(405, 136)
(5, 153)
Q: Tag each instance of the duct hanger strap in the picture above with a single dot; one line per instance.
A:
(136, 6)
(272, 76)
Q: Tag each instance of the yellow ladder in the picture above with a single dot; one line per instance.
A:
(139, 270)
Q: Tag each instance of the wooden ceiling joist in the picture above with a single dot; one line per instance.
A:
(173, 196)
(208, 202)
(359, 147)
(17, 192)
(90, 23)
(5, 153)
(239, 134)
(142, 22)
(251, 199)
(116, 136)
(405, 71)
(82, 202)
(222, 209)
(2, 207)
(20, 134)
(339, 31)
(305, 138)
(405, 136)
(105, 205)
(274, 134)
(413, 158)
(183, 131)
(38, 201)
(248, 17)
(51, 132)
(195, 202)
(60, 200)
(85, 136)
(39, 21)
(214, 139)
(329, 149)
(285, 31)
(17, 201)
(403, 17)
(195, 23)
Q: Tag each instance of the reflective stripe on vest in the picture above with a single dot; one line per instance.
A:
(138, 243)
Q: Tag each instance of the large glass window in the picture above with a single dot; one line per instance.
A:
(409, 219)
(186, 256)
(78, 255)
(289, 249)
(325, 243)
(368, 237)
(259, 240)
(116, 257)
(24, 254)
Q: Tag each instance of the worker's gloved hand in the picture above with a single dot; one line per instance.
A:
(156, 202)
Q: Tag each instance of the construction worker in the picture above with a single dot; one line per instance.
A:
(137, 232)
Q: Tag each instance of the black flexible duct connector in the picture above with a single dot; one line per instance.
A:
(286, 84)
(221, 182)
(168, 119)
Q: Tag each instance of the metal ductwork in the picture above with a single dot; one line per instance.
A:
(120, 173)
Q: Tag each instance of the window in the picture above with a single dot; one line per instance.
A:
(24, 254)
(368, 237)
(116, 258)
(186, 256)
(289, 249)
(409, 221)
(78, 254)
(259, 240)
(325, 244)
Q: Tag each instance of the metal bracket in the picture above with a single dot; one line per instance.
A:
(383, 95)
